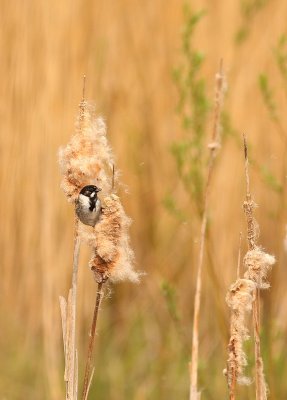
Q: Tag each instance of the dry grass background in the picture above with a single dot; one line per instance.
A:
(128, 50)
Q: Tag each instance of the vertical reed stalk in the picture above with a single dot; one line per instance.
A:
(213, 146)
(68, 314)
(232, 387)
(88, 376)
(239, 257)
(252, 245)
(77, 243)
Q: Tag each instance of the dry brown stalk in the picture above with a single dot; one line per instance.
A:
(231, 343)
(239, 256)
(68, 314)
(90, 382)
(88, 376)
(252, 238)
(74, 361)
(213, 147)
(232, 369)
(239, 298)
(257, 264)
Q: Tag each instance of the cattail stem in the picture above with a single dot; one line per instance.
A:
(251, 236)
(239, 257)
(77, 243)
(233, 385)
(214, 145)
(76, 255)
(256, 328)
(92, 342)
(68, 314)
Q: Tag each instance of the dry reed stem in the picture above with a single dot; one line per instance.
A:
(68, 315)
(90, 382)
(239, 256)
(88, 377)
(233, 380)
(213, 146)
(63, 309)
(76, 383)
(77, 243)
(239, 298)
(252, 234)
(231, 344)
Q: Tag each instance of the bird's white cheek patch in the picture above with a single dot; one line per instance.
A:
(84, 200)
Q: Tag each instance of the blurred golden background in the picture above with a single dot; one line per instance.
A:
(129, 50)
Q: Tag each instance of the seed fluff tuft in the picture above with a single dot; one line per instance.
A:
(87, 159)
(113, 257)
(239, 298)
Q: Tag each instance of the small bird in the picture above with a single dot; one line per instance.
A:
(88, 206)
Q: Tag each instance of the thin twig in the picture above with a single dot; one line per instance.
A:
(214, 145)
(90, 382)
(92, 342)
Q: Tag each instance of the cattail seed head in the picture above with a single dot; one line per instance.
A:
(239, 298)
(87, 159)
(113, 257)
(257, 264)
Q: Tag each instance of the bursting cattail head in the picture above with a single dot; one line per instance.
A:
(113, 257)
(87, 159)
(257, 264)
(239, 298)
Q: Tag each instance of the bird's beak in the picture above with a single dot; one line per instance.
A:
(98, 190)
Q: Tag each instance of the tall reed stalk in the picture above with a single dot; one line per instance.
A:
(68, 315)
(88, 375)
(257, 263)
(213, 148)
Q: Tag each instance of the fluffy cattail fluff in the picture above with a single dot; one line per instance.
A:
(257, 264)
(113, 257)
(88, 160)
(239, 298)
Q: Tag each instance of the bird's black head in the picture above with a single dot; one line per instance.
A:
(90, 190)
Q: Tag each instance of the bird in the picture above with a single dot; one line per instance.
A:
(88, 205)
